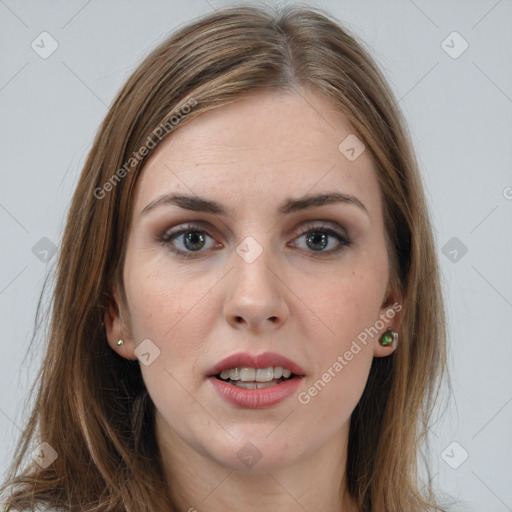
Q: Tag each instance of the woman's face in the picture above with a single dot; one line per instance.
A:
(263, 274)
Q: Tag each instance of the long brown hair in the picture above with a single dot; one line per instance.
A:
(92, 406)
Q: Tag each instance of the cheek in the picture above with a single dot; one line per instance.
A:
(349, 301)
(343, 353)
(158, 298)
(174, 315)
(341, 360)
(346, 307)
(173, 310)
(332, 394)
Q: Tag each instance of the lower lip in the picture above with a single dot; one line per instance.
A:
(255, 398)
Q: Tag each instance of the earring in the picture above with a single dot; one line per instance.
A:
(388, 337)
(120, 342)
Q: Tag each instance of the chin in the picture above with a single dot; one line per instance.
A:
(255, 452)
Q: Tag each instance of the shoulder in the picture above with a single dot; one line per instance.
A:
(38, 508)
(35, 508)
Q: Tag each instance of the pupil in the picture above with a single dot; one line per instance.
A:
(193, 237)
(320, 238)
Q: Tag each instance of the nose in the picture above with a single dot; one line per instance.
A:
(256, 297)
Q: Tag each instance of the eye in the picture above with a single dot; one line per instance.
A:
(319, 237)
(192, 239)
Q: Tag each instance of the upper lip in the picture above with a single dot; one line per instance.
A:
(247, 360)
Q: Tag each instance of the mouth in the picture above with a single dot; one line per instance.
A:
(255, 381)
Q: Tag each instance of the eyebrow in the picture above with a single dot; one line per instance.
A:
(291, 205)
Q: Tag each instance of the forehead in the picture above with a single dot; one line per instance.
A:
(264, 147)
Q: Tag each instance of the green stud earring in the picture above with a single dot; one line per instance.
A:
(388, 338)
(120, 342)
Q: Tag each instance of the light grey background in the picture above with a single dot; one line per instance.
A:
(459, 112)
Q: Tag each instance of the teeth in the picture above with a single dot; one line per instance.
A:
(234, 374)
(264, 374)
(251, 375)
(253, 385)
(247, 374)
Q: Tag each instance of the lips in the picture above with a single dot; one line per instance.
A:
(255, 398)
(255, 395)
(247, 360)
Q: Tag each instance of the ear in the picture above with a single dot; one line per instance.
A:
(117, 328)
(390, 316)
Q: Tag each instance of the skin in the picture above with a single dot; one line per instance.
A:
(304, 304)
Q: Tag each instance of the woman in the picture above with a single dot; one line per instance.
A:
(247, 311)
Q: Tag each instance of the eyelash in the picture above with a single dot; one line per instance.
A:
(168, 235)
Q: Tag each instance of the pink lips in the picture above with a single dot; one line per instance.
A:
(255, 398)
(246, 360)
